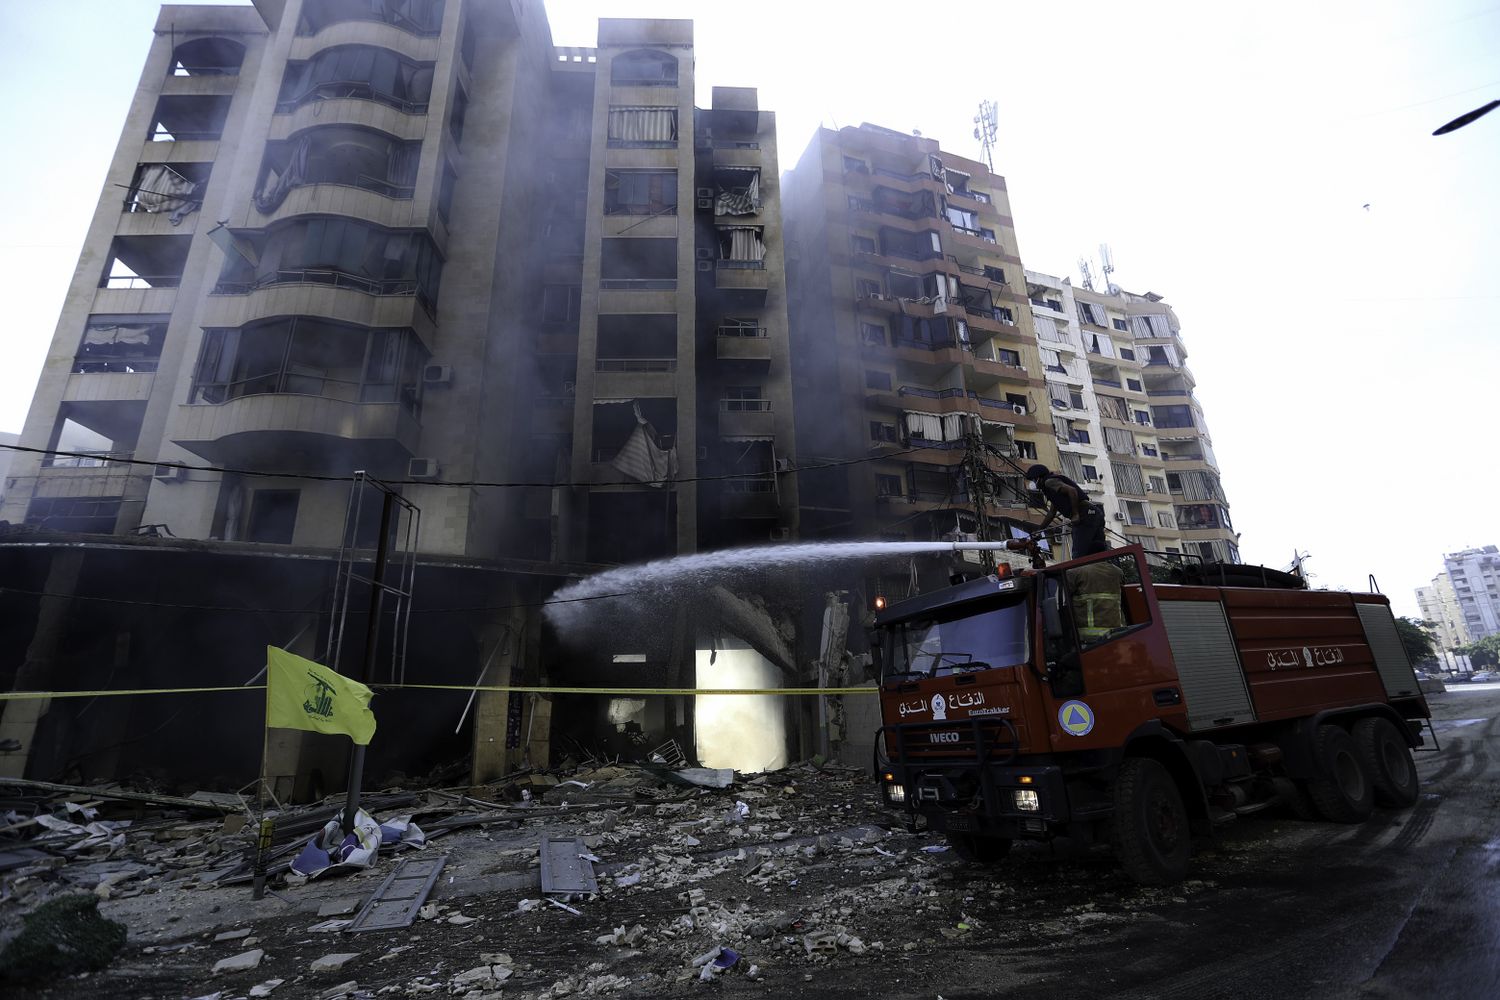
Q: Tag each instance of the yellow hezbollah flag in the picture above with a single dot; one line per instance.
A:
(301, 694)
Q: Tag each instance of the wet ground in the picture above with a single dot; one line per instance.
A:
(826, 899)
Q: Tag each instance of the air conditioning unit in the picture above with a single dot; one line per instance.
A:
(705, 253)
(569, 388)
(437, 374)
(783, 465)
(781, 534)
(705, 265)
(1119, 516)
(705, 203)
(1019, 408)
(169, 474)
(422, 468)
(706, 193)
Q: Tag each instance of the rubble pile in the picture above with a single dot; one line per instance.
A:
(584, 881)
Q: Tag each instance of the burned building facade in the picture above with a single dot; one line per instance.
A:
(533, 286)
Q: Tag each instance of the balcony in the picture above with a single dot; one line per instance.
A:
(749, 496)
(745, 276)
(746, 418)
(297, 432)
(748, 344)
(619, 378)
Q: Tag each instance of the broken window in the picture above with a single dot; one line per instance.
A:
(273, 516)
(741, 246)
(862, 244)
(640, 192)
(878, 380)
(303, 355)
(357, 71)
(128, 343)
(615, 423)
(208, 57)
(457, 114)
(736, 190)
(84, 515)
(445, 193)
(94, 433)
(344, 252)
(888, 486)
(338, 154)
(642, 126)
(183, 118)
(872, 334)
(637, 343)
(418, 17)
(907, 204)
(638, 263)
(912, 246)
(176, 190)
(882, 431)
(145, 262)
(744, 398)
(643, 68)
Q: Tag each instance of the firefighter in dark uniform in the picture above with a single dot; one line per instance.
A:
(1065, 497)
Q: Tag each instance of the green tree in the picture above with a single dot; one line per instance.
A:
(1417, 639)
(1484, 653)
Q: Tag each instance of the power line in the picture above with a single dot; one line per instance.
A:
(473, 484)
(5, 591)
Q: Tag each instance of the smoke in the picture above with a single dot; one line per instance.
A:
(745, 732)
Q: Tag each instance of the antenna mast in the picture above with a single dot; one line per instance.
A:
(1087, 272)
(985, 130)
(1107, 265)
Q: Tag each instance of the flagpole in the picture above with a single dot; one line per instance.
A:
(372, 639)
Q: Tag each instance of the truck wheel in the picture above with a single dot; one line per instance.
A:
(981, 850)
(1341, 790)
(1150, 827)
(1387, 760)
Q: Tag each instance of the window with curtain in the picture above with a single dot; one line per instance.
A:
(642, 126)
(1120, 442)
(358, 71)
(741, 245)
(1127, 477)
(338, 154)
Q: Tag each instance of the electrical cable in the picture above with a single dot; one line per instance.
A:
(473, 484)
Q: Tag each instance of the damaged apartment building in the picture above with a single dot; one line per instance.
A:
(533, 287)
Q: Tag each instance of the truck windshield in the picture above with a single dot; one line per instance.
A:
(962, 640)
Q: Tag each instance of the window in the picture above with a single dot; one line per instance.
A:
(1176, 415)
(1155, 484)
(560, 305)
(878, 380)
(183, 118)
(863, 244)
(1128, 353)
(994, 274)
(337, 154)
(1079, 435)
(1075, 397)
(85, 515)
(208, 57)
(466, 46)
(1090, 474)
(880, 431)
(1020, 402)
(273, 515)
(457, 114)
(1143, 418)
(1133, 384)
(872, 334)
(855, 165)
(639, 263)
(1006, 356)
(418, 17)
(145, 262)
(643, 68)
(128, 343)
(357, 71)
(644, 127)
(94, 433)
(1090, 313)
(445, 193)
(1120, 324)
(1164, 520)
(640, 192)
(887, 486)
(1026, 449)
(866, 288)
(1004, 315)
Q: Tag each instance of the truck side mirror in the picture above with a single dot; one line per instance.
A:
(1051, 609)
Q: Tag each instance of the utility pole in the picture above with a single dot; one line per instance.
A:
(978, 474)
(372, 642)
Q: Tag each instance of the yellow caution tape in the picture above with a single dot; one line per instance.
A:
(498, 689)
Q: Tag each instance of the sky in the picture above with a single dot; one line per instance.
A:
(1267, 168)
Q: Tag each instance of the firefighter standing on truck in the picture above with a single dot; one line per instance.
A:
(1067, 498)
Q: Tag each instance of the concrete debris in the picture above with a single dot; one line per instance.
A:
(266, 988)
(460, 919)
(333, 962)
(706, 777)
(328, 926)
(341, 990)
(243, 962)
(234, 935)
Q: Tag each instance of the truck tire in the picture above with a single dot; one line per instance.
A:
(1387, 760)
(980, 850)
(1341, 790)
(1150, 830)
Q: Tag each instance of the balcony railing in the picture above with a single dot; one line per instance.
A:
(638, 283)
(1109, 382)
(925, 345)
(761, 484)
(95, 364)
(913, 390)
(161, 134)
(350, 90)
(743, 331)
(635, 364)
(143, 281)
(736, 144)
(745, 405)
(743, 265)
(898, 175)
(1169, 392)
(988, 235)
(85, 459)
(1182, 458)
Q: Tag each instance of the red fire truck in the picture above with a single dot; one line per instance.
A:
(1090, 701)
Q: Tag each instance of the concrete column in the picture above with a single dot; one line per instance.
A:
(22, 719)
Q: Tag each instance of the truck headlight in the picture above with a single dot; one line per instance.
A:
(1027, 800)
(895, 792)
